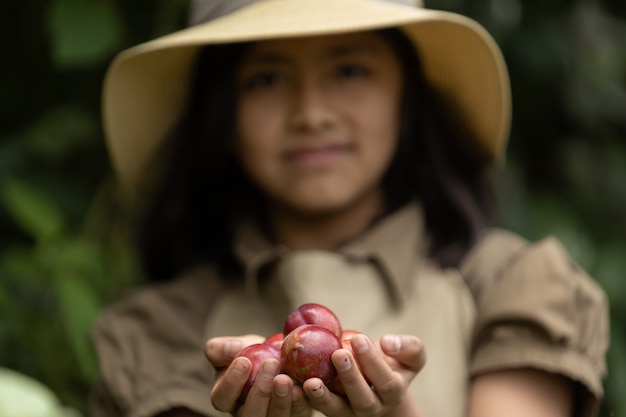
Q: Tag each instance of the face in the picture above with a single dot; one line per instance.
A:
(318, 119)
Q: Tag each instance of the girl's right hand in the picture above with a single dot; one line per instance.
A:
(272, 395)
(389, 367)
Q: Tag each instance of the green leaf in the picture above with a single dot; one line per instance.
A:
(83, 32)
(609, 271)
(76, 267)
(21, 395)
(79, 308)
(61, 130)
(12, 153)
(31, 209)
(616, 383)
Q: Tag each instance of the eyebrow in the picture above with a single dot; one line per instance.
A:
(350, 49)
(339, 51)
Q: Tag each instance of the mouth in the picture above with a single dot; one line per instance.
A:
(317, 157)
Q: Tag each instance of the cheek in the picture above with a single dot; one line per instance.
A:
(258, 140)
(257, 128)
(380, 125)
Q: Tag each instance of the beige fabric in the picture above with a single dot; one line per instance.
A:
(512, 304)
(150, 348)
(354, 291)
(538, 309)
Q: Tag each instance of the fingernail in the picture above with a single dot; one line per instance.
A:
(281, 389)
(342, 362)
(270, 369)
(359, 343)
(317, 392)
(241, 366)
(232, 348)
(392, 343)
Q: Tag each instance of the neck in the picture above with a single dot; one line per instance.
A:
(324, 231)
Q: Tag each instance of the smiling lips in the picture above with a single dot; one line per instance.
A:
(317, 157)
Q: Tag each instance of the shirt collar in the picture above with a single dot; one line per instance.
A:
(395, 244)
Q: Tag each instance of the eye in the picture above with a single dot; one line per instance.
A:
(262, 80)
(352, 71)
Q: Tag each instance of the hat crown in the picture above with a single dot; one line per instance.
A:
(205, 10)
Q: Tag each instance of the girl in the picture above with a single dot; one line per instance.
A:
(337, 152)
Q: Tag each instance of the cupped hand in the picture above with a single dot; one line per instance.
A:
(375, 382)
(272, 395)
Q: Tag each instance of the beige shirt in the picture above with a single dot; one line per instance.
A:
(510, 304)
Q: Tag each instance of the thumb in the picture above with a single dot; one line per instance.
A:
(220, 351)
(406, 349)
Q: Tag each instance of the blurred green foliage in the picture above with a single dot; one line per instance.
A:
(64, 231)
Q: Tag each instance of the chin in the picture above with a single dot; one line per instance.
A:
(318, 209)
(319, 205)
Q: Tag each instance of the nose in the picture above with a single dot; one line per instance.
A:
(312, 108)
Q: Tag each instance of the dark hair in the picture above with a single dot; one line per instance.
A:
(438, 162)
(203, 193)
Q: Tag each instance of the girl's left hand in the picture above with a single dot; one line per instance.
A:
(390, 368)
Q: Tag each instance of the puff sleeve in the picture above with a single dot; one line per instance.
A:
(536, 308)
(150, 350)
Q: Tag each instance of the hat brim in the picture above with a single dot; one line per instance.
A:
(146, 85)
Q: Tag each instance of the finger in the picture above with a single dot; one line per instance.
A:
(322, 399)
(258, 399)
(361, 397)
(227, 389)
(388, 385)
(406, 349)
(220, 351)
(300, 405)
(280, 403)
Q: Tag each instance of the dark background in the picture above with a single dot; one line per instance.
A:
(64, 248)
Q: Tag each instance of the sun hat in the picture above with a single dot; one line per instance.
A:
(145, 86)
